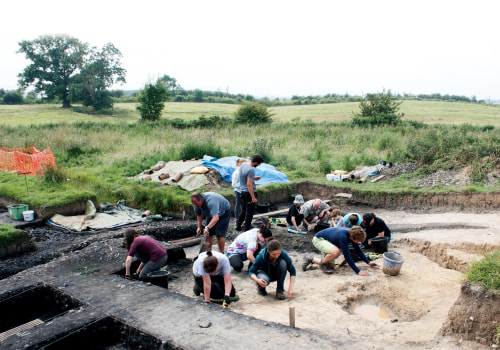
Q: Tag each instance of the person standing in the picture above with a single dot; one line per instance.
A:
(237, 189)
(217, 211)
(151, 254)
(248, 191)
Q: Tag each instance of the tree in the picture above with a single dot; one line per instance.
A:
(13, 98)
(151, 100)
(378, 109)
(171, 83)
(55, 62)
(100, 70)
(253, 113)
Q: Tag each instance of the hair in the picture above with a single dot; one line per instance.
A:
(357, 233)
(257, 159)
(335, 212)
(353, 219)
(130, 235)
(240, 161)
(274, 245)
(373, 214)
(210, 263)
(196, 195)
(265, 232)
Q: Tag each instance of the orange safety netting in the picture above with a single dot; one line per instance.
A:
(28, 161)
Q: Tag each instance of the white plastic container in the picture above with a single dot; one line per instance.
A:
(29, 215)
(336, 177)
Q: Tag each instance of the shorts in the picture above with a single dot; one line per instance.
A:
(220, 228)
(324, 246)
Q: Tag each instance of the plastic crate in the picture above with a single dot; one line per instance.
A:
(16, 211)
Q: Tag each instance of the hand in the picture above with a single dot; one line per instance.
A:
(206, 232)
(298, 229)
(138, 270)
(363, 273)
(257, 178)
(198, 231)
(254, 200)
(290, 293)
(369, 243)
(262, 283)
(373, 263)
(309, 227)
(226, 301)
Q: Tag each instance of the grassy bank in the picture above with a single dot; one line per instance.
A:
(98, 156)
(8, 233)
(486, 272)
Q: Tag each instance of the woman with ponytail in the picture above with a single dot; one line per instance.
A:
(246, 246)
(212, 276)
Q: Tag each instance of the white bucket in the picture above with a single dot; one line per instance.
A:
(29, 215)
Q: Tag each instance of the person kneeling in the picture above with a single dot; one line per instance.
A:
(271, 265)
(212, 275)
(246, 246)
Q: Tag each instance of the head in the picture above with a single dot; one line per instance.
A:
(317, 203)
(353, 219)
(130, 235)
(240, 161)
(210, 263)
(197, 199)
(357, 234)
(368, 219)
(298, 201)
(257, 160)
(274, 249)
(335, 213)
(264, 234)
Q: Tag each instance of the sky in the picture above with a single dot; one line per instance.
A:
(277, 48)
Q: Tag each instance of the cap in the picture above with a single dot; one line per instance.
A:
(298, 199)
(367, 217)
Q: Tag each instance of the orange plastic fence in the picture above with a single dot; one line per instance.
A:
(27, 160)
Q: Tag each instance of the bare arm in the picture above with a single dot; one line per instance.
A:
(290, 287)
(250, 189)
(228, 284)
(128, 262)
(207, 287)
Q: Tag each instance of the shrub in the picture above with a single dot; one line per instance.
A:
(198, 150)
(253, 113)
(151, 100)
(262, 146)
(378, 109)
(13, 98)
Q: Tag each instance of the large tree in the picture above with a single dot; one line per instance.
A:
(55, 60)
(100, 70)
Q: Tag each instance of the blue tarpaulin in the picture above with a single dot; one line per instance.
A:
(226, 166)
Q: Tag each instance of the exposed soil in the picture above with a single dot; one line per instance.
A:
(426, 301)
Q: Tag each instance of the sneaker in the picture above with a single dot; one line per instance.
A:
(261, 292)
(306, 261)
(280, 296)
(196, 290)
(239, 229)
(325, 269)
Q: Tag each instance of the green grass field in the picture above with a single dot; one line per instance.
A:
(429, 112)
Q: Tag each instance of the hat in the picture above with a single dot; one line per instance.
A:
(298, 199)
(367, 218)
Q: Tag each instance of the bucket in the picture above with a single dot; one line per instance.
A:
(321, 226)
(354, 254)
(392, 263)
(379, 244)
(262, 207)
(29, 215)
(159, 278)
(16, 211)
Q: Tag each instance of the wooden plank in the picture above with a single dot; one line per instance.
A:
(377, 178)
(280, 212)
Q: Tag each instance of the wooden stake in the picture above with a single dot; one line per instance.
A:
(292, 316)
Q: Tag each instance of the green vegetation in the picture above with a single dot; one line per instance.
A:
(8, 233)
(252, 113)
(486, 272)
(98, 156)
(378, 109)
(152, 100)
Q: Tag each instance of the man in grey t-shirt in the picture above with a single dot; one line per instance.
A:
(248, 191)
(217, 211)
(314, 210)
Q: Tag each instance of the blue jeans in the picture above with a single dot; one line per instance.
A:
(278, 274)
(237, 206)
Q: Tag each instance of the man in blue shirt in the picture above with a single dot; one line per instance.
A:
(333, 241)
(217, 211)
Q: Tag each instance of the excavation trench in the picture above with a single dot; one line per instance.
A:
(81, 278)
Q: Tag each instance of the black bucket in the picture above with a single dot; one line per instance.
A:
(353, 253)
(159, 278)
(263, 208)
(379, 244)
(321, 226)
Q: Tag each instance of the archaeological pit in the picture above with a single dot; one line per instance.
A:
(70, 292)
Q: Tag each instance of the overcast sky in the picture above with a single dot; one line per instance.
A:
(278, 48)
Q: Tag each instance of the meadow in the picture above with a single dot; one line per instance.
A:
(96, 155)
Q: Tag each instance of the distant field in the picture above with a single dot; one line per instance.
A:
(426, 111)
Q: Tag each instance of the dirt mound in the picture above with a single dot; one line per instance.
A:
(474, 316)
